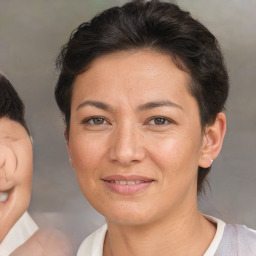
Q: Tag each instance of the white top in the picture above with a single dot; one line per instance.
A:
(20, 232)
(93, 244)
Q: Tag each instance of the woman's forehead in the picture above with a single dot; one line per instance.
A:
(141, 72)
(12, 130)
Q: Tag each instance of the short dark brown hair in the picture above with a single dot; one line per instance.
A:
(11, 105)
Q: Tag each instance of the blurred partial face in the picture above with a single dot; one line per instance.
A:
(15, 173)
(135, 138)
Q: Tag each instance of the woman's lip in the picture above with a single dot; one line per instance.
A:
(127, 185)
(114, 178)
(7, 186)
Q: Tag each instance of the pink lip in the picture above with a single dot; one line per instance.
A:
(141, 183)
(6, 186)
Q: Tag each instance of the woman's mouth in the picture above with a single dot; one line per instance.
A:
(126, 182)
(3, 196)
(127, 185)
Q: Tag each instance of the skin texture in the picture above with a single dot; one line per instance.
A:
(133, 119)
(16, 166)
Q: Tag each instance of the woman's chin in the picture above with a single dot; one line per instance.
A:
(131, 217)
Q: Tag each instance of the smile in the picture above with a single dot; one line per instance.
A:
(126, 182)
(3, 196)
(127, 185)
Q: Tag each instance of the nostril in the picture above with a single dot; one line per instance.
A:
(127, 156)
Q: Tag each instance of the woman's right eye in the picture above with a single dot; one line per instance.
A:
(95, 121)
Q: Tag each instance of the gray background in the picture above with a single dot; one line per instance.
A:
(31, 33)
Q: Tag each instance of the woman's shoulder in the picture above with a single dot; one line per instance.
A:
(93, 244)
(46, 241)
(237, 239)
(240, 234)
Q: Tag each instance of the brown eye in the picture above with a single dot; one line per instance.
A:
(97, 120)
(159, 121)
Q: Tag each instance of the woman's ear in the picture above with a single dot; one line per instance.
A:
(68, 148)
(212, 140)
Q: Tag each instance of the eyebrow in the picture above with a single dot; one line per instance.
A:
(143, 107)
(97, 104)
(157, 104)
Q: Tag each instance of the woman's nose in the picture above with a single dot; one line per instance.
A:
(127, 146)
(8, 163)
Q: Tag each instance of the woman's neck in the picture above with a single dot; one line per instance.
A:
(186, 234)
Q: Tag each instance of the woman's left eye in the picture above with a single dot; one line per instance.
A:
(159, 121)
(97, 120)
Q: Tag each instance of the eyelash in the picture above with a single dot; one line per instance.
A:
(165, 121)
(93, 118)
(162, 118)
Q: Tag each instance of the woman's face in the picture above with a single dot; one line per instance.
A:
(135, 138)
(15, 173)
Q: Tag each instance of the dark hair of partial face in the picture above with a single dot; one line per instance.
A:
(11, 105)
(151, 25)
